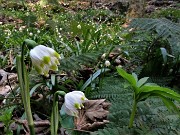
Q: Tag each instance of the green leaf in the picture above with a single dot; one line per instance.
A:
(130, 78)
(142, 96)
(53, 79)
(161, 90)
(54, 119)
(68, 47)
(94, 76)
(7, 114)
(66, 120)
(169, 104)
(142, 81)
(135, 77)
(164, 54)
(34, 88)
(151, 84)
(20, 76)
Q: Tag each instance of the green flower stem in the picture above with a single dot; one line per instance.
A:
(24, 84)
(24, 88)
(55, 112)
(133, 114)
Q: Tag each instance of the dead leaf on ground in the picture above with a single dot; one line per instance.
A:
(4, 90)
(7, 79)
(93, 115)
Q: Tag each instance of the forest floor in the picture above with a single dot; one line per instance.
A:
(19, 21)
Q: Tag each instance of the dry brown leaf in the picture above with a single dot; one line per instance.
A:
(7, 79)
(93, 115)
(3, 77)
(4, 90)
(95, 109)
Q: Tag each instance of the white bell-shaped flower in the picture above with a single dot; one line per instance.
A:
(107, 63)
(74, 101)
(44, 59)
(103, 56)
(79, 26)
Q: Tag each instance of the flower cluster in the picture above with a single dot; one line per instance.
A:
(44, 59)
(74, 101)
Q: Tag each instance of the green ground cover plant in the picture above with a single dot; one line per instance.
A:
(69, 60)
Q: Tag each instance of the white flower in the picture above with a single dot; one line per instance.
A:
(103, 56)
(120, 66)
(44, 59)
(30, 34)
(38, 31)
(79, 26)
(74, 101)
(107, 63)
(20, 29)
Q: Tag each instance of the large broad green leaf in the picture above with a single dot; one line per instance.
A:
(142, 81)
(130, 78)
(160, 90)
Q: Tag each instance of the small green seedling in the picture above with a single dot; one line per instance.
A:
(5, 118)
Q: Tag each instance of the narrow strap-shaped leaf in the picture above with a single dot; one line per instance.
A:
(53, 79)
(34, 88)
(164, 54)
(24, 88)
(20, 77)
(94, 76)
(54, 119)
